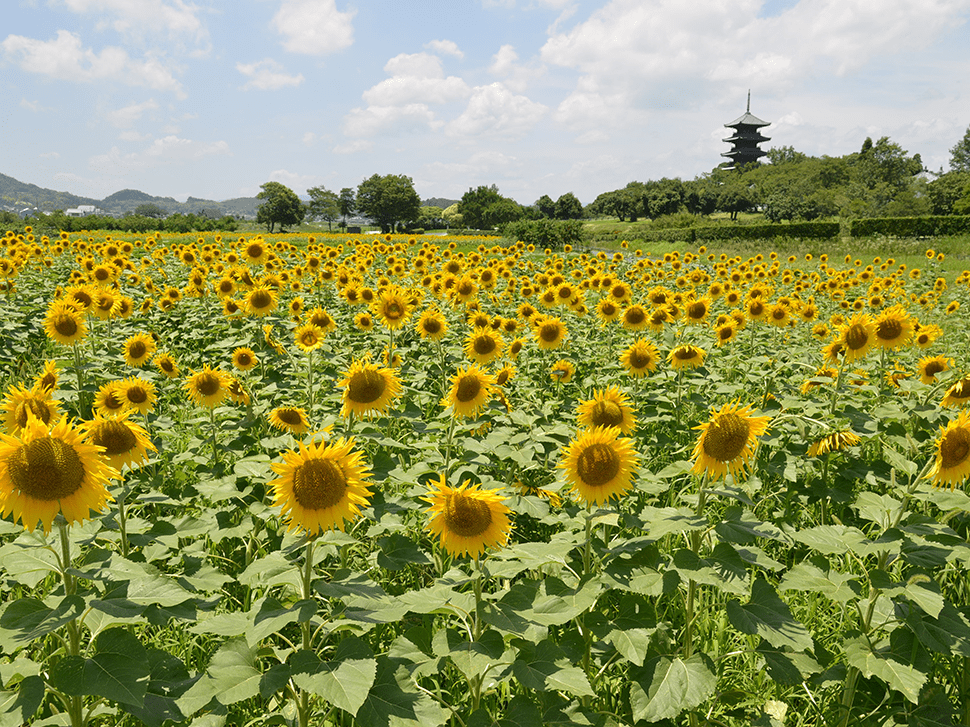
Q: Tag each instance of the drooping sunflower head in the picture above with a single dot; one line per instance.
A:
(47, 378)
(289, 419)
(727, 441)
(600, 464)
(46, 472)
(834, 442)
(504, 375)
(322, 486)
(208, 387)
(608, 408)
(124, 442)
(471, 389)
(930, 366)
(957, 395)
(467, 519)
(368, 388)
(686, 356)
(138, 349)
(20, 405)
(952, 463)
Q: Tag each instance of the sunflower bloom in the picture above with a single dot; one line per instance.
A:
(600, 464)
(208, 387)
(952, 463)
(727, 441)
(166, 365)
(483, 345)
(562, 371)
(834, 442)
(138, 349)
(46, 472)
(20, 405)
(467, 519)
(368, 388)
(47, 379)
(894, 328)
(244, 358)
(321, 487)
(608, 408)
(289, 419)
(260, 301)
(65, 325)
(308, 337)
(432, 325)
(686, 356)
(124, 442)
(640, 358)
(857, 337)
(471, 389)
(930, 366)
(391, 308)
(550, 333)
(958, 394)
(137, 394)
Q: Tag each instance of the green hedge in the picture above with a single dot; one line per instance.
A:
(926, 226)
(552, 234)
(801, 230)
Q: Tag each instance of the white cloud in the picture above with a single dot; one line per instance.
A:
(309, 138)
(65, 59)
(299, 183)
(415, 78)
(505, 65)
(267, 75)
(50, 155)
(314, 27)
(494, 110)
(375, 120)
(128, 115)
(132, 135)
(354, 147)
(445, 48)
(137, 17)
(168, 150)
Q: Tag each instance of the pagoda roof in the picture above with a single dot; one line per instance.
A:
(747, 119)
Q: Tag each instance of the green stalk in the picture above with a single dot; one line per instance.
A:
(448, 441)
(122, 519)
(212, 429)
(75, 705)
(303, 701)
(309, 383)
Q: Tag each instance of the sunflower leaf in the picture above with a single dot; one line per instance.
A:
(664, 688)
(767, 616)
(27, 619)
(905, 679)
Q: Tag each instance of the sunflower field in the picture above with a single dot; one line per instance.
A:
(391, 481)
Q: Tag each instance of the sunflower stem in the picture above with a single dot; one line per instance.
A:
(75, 704)
(212, 429)
(309, 383)
(448, 441)
(122, 496)
(81, 409)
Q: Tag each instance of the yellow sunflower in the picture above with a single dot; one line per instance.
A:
(208, 387)
(952, 453)
(308, 337)
(364, 321)
(930, 366)
(166, 365)
(46, 472)
(244, 358)
(260, 301)
(368, 388)
(432, 325)
(894, 328)
(289, 419)
(237, 392)
(47, 379)
(138, 349)
(483, 345)
(640, 358)
(634, 318)
(562, 371)
(550, 333)
(504, 375)
(20, 405)
(109, 400)
(600, 464)
(857, 337)
(608, 408)
(727, 441)
(834, 442)
(124, 442)
(467, 519)
(391, 308)
(471, 389)
(958, 394)
(926, 335)
(321, 487)
(65, 325)
(138, 394)
(607, 310)
(686, 356)
(322, 320)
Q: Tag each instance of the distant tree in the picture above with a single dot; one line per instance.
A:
(388, 200)
(452, 216)
(348, 203)
(785, 155)
(149, 210)
(280, 207)
(483, 208)
(324, 205)
(947, 190)
(568, 207)
(663, 197)
(545, 206)
(960, 154)
(431, 217)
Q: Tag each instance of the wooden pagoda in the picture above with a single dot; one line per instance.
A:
(745, 139)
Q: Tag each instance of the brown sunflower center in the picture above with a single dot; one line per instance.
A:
(484, 345)
(243, 359)
(889, 330)
(207, 384)
(933, 368)
(112, 401)
(634, 316)
(35, 407)
(549, 332)
(856, 337)
(685, 353)
(366, 386)
(598, 464)
(954, 448)
(65, 325)
(466, 516)
(137, 349)
(290, 416)
(779, 314)
(961, 389)
(261, 299)
(696, 311)
(606, 414)
(309, 338)
(46, 469)
(725, 333)
(469, 387)
(431, 325)
(254, 251)
(640, 359)
(115, 436)
(319, 484)
(166, 365)
(393, 311)
(726, 437)
(136, 394)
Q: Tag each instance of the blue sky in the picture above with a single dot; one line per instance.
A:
(212, 98)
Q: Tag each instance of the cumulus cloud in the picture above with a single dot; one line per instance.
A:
(392, 120)
(137, 16)
(415, 78)
(314, 27)
(494, 110)
(64, 58)
(128, 115)
(445, 48)
(354, 147)
(267, 75)
(505, 64)
(168, 150)
(299, 183)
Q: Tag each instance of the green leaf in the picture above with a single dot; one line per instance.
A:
(168, 679)
(948, 633)
(472, 658)
(27, 563)
(545, 667)
(661, 521)
(19, 707)
(767, 616)
(724, 569)
(520, 712)
(741, 526)
(899, 462)
(787, 667)
(231, 677)
(817, 576)
(394, 701)
(919, 590)
(118, 670)
(344, 681)
(875, 508)
(663, 688)
(904, 678)
(831, 539)
(396, 552)
(28, 619)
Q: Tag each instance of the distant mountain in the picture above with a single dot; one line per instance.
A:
(439, 202)
(16, 196)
